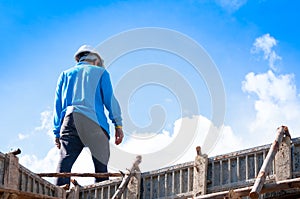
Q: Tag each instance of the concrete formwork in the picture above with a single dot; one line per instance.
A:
(199, 179)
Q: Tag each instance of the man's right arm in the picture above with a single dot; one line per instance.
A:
(58, 107)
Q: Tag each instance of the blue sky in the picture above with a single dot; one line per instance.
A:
(254, 45)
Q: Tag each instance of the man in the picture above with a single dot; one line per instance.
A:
(81, 94)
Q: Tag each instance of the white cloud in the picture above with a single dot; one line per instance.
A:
(46, 126)
(276, 99)
(46, 122)
(265, 44)
(231, 5)
(22, 136)
(225, 141)
(228, 142)
(155, 142)
(269, 87)
(277, 104)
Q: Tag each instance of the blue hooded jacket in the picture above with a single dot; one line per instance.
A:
(86, 89)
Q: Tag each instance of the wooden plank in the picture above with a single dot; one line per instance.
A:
(264, 170)
(96, 175)
(134, 169)
(267, 188)
(26, 195)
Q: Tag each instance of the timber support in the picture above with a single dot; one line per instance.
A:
(264, 171)
(200, 173)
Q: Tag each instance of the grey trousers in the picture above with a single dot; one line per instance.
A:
(77, 132)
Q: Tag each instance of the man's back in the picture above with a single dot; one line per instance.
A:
(81, 86)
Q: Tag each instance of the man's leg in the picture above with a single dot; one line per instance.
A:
(99, 168)
(71, 147)
(70, 150)
(94, 137)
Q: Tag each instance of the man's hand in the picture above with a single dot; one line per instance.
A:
(118, 135)
(57, 143)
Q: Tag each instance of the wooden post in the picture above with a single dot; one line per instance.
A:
(11, 172)
(264, 171)
(283, 160)
(74, 192)
(200, 173)
(133, 187)
(134, 169)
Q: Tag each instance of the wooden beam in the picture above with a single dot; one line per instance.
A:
(65, 175)
(241, 192)
(264, 170)
(134, 169)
